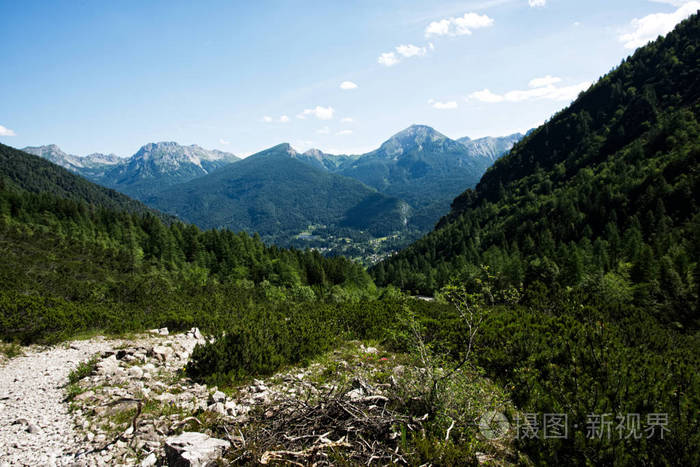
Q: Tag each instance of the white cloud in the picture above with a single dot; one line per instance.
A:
(442, 105)
(458, 26)
(652, 26)
(6, 131)
(388, 59)
(540, 89)
(282, 119)
(347, 85)
(403, 51)
(323, 131)
(536, 3)
(224, 142)
(438, 28)
(544, 81)
(485, 96)
(344, 132)
(346, 120)
(322, 113)
(411, 50)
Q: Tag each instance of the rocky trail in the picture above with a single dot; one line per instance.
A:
(36, 427)
(46, 421)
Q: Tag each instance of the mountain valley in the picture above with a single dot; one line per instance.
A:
(363, 206)
(530, 299)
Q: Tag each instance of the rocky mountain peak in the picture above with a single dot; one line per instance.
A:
(416, 137)
(47, 149)
(103, 159)
(313, 152)
(279, 149)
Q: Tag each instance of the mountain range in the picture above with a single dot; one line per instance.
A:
(275, 194)
(154, 167)
(404, 185)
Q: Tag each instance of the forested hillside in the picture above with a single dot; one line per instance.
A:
(584, 243)
(78, 257)
(604, 194)
(32, 174)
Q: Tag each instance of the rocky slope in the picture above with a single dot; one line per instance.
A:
(159, 165)
(488, 149)
(72, 162)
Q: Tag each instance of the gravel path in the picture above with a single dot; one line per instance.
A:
(35, 426)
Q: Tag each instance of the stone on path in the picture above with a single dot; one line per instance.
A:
(150, 460)
(193, 449)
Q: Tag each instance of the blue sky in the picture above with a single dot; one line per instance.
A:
(100, 76)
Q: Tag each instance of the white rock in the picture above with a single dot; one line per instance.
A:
(162, 353)
(192, 449)
(218, 396)
(261, 398)
(150, 460)
(231, 408)
(201, 404)
(136, 372)
(165, 398)
(218, 407)
(355, 394)
(108, 366)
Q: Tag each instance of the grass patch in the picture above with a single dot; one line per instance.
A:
(72, 390)
(10, 350)
(83, 370)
